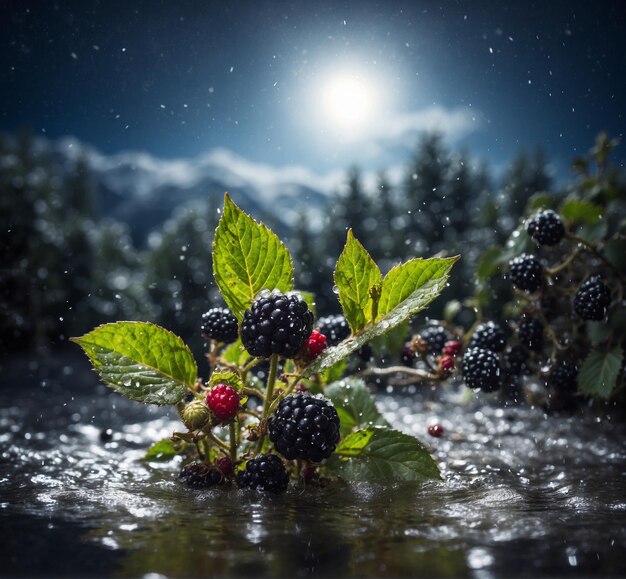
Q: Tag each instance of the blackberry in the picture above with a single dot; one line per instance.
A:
(276, 324)
(530, 333)
(436, 338)
(220, 324)
(546, 227)
(408, 355)
(265, 472)
(562, 376)
(489, 336)
(592, 300)
(200, 475)
(304, 426)
(481, 369)
(335, 328)
(526, 272)
(516, 361)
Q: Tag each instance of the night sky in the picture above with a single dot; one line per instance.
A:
(179, 78)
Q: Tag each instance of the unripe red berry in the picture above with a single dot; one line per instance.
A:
(452, 348)
(446, 364)
(435, 430)
(225, 465)
(315, 344)
(223, 402)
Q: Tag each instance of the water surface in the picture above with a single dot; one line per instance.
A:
(523, 494)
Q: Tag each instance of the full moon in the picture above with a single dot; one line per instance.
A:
(348, 102)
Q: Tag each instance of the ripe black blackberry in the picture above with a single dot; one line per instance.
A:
(516, 361)
(276, 323)
(265, 472)
(436, 338)
(408, 355)
(304, 426)
(530, 333)
(489, 336)
(526, 272)
(200, 475)
(220, 324)
(481, 369)
(592, 300)
(335, 328)
(562, 376)
(546, 227)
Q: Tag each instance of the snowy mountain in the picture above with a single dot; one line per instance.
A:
(144, 191)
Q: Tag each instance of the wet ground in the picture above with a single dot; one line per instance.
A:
(524, 494)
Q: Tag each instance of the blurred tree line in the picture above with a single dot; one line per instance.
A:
(64, 270)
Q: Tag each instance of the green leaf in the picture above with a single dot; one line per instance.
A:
(141, 361)
(162, 451)
(334, 373)
(599, 373)
(355, 276)
(354, 404)
(413, 284)
(387, 456)
(228, 377)
(236, 354)
(489, 263)
(598, 332)
(247, 258)
(409, 290)
(594, 232)
(539, 201)
(615, 252)
(573, 209)
(354, 444)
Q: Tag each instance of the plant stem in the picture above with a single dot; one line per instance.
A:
(269, 391)
(217, 441)
(594, 249)
(233, 441)
(566, 263)
(417, 374)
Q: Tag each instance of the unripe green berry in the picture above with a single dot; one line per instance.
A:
(195, 415)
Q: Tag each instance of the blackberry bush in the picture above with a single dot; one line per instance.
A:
(239, 420)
